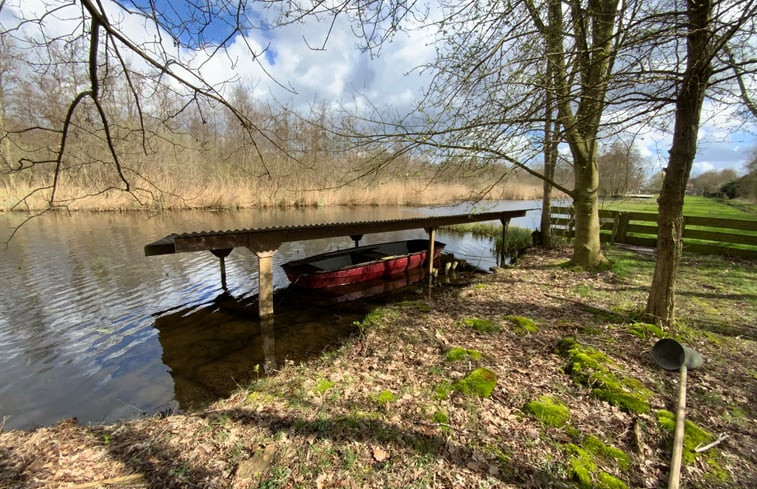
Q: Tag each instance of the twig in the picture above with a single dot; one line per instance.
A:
(721, 438)
(444, 425)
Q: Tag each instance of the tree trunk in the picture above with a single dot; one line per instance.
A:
(587, 252)
(661, 301)
(550, 156)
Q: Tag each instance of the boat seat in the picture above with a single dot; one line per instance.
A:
(366, 256)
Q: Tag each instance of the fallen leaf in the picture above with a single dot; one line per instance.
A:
(379, 454)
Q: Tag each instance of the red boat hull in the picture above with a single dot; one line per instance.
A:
(360, 264)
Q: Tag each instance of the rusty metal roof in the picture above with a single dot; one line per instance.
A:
(270, 238)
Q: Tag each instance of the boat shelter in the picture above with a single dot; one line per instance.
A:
(265, 241)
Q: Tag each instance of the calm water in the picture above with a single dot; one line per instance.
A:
(91, 328)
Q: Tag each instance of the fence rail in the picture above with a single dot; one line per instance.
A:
(705, 235)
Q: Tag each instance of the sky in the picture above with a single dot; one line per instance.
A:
(290, 70)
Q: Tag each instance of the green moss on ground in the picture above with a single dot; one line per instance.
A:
(693, 435)
(443, 390)
(591, 367)
(523, 325)
(486, 326)
(457, 353)
(549, 411)
(584, 463)
(481, 382)
(322, 386)
(646, 330)
(385, 397)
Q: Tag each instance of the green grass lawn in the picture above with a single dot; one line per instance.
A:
(692, 206)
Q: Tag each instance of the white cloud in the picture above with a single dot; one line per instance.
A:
(701, 167)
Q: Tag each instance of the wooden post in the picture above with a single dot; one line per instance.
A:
(267, 332)
(675, 464)
(430, 256)
(356, 238)
(265, 282)
(622, 227)
(222, 254)
(505, 226)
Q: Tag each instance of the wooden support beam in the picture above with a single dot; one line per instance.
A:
(430, 256)
(503, 252)
(265, 282)
(222, 254)
(268, 334)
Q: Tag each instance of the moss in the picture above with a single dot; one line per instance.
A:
(441, 417)
(486, 326)
(322, 386)
(693, 435)
(580, 466)
(592, 368)
(457, 353)
(609, 452)
(549, 411)
(607, 481)
(646, 330)
(260, 398)
(523, 325)
(375, 317)
(583, 467)
(385, 397)
(481, 382)
(443, 390)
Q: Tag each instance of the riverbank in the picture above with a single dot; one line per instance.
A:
(576, 400)
(251, 193)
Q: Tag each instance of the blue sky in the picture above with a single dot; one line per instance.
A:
(341, 74)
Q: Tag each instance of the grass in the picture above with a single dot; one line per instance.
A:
(518, 238)
(699, 207)
(692, 206)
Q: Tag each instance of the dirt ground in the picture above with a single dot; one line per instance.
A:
(398, 406)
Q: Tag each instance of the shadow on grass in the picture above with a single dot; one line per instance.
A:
(148, 454)
(373, 431)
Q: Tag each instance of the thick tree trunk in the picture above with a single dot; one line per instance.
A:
(587, 251)
(661, 300)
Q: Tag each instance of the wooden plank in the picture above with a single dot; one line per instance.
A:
(706, 249)
(714, 222)
(722, 237)
(639, 241)
(641, 229)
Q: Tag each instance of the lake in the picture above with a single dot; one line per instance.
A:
(91, 328)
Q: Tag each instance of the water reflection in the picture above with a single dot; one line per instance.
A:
(214, 349)
(79, 301)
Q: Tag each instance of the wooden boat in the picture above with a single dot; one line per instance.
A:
(361, 264)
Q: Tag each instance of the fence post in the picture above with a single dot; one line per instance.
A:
(623, 219)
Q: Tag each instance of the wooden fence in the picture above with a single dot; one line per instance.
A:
(706, 235)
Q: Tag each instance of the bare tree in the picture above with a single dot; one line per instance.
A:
(713, 30)
(621, 169)
(111, 71)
